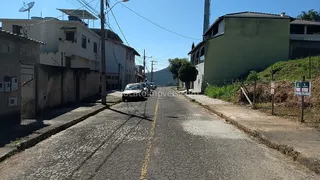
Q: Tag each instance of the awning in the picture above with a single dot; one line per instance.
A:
(80, 13)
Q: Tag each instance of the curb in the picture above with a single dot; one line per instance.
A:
(311, 163)
(35, 140)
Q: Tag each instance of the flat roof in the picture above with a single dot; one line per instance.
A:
(304, 22)
(81, 13)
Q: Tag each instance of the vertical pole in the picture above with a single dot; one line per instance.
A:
(272, 103)
(144, 64)
(152, 70)
(103, 55)
(61, 80)
(254, 94)
(302, 102)
(309, 67)
(119, 76)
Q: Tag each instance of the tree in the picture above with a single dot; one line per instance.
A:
(174, 66)
(311, 15)
(188, 73)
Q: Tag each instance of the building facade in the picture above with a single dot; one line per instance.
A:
(68, 43)
(18, 55)
(239, 42)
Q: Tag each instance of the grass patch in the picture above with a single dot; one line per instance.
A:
(225, 93)
(292, 70)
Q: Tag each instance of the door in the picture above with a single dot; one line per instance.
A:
(28, 95)
(77, 88)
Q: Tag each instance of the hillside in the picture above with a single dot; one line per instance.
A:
(162, 77)
(292, 70)
(286, 103)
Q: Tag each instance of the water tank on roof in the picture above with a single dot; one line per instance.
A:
(35, 17)
(51, 18)
(74, 18)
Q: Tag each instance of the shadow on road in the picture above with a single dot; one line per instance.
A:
(132, 115)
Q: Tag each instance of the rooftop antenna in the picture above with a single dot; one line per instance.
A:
(27, 7)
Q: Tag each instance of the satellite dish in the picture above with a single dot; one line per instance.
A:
(27, 7)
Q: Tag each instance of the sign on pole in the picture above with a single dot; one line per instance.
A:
(303, 88)
(272, 87)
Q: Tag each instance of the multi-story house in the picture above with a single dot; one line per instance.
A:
(304, 38)
(237, 43)
(120, 61)
(69, 43)
(70, 60)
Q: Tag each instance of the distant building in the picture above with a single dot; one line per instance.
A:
(237, 43)
(18, 56)
(304, 38)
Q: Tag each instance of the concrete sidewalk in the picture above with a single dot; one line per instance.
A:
(297, 140)
(32, 131)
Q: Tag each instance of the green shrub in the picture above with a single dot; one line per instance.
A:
(226, 92)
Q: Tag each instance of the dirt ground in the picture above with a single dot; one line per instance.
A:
(287, 104)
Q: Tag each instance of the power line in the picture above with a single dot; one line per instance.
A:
(119, 27)
(158, 24)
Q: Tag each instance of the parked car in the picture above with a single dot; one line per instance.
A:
(147, 86)
(134, 91)
(153, 85)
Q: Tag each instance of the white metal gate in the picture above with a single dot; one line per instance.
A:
(28, 96)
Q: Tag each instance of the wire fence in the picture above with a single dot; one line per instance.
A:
(261, 93)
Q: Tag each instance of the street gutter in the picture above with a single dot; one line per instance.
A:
(312, 164)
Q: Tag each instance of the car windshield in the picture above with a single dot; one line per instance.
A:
(133, 87)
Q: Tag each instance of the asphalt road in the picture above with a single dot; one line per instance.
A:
(165, 137)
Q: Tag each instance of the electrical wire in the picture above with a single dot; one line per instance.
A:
(158, 24)
(119, 27)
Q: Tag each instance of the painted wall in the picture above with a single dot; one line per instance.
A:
(50, 32)
(10, 66)
(49, 85)
(247, 44)
(198, 84)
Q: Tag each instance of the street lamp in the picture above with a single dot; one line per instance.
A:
(103, 52)
(116, 4)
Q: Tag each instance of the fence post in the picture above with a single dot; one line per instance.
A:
(309, 67)
(272, 80)
(302, 103)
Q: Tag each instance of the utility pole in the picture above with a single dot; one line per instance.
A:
(144, 64)
(103, 55)
(152, 70)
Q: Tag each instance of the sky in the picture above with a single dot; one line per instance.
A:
(184, 17)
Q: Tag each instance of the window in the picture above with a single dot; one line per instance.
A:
(297, 29)
(70, 36)
(16, 29)
(84, 42)
(95, 47)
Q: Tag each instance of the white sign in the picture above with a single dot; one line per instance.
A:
(13, 101)
(7, 86)
(272, 87)
(14, 84)
(303, 88)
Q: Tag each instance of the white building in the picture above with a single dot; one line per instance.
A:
(69, 43)
(120, 61)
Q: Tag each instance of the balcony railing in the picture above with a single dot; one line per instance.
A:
(305, 37)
